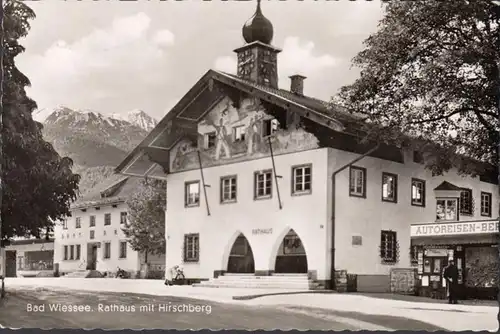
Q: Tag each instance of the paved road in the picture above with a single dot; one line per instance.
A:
(159, 313)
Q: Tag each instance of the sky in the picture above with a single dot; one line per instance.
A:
(114, 57)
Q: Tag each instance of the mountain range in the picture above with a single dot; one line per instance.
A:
(95, 142)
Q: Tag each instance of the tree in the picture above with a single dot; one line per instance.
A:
(145, 225)
(430, 80)
(430, 72)
(38, 185)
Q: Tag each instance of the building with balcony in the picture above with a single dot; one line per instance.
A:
(92, 237)
(268, 182)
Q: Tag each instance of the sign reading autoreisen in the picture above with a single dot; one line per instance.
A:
(455, 228)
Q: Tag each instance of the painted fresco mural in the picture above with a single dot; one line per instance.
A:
(228, 134)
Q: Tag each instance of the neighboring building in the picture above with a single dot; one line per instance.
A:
(30, 257)
(92, 238)
(257, 167)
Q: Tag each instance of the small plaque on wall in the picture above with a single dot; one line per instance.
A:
(357, 240)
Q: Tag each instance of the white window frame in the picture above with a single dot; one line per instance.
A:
(206, 143)
(355, 174)
(299, 179)
(385, 187)
(414, 191)
(273, 127)
(191, 199)
(239, 133)
(258, 184)
(486, 204)
(446, 200)
(191, 247)
(229, 189)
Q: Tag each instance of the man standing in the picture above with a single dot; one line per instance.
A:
(221, 137)
(451, 275)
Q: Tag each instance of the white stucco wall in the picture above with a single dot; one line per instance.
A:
(366, 217)
(81, 236)
(306, 215)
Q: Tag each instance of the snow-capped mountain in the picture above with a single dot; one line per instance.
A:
(97, 143)
(137, 117)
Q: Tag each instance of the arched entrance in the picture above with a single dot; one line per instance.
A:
(241, 257)
(291, 257)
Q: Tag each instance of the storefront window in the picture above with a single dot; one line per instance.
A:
(446, 209)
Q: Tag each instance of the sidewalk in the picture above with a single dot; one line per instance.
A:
(451, 317)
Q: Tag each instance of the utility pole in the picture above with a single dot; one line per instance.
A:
(2, 250)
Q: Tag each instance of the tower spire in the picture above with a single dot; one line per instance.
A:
(258, 28)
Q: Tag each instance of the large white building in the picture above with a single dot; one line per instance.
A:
(272, 181)
(92, 238)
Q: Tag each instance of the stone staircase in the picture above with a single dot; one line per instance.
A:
(84, 274)
(276, 281)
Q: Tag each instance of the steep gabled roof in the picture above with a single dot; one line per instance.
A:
(114, 189)
(182, 119)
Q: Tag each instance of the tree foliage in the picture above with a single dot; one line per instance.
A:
(430, 73)
(38, 184)
(145, 225)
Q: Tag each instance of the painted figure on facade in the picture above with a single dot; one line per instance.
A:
(251, 134)
(221, 140)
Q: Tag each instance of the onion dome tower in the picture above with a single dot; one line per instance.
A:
(257, 59)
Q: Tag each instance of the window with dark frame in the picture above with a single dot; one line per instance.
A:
(269, 127)
(301, 179)
(466, 201)
(210, 139)
(239, 133)
(78, 222)
(123, 217)
(65, 224)
(446, 209)
(92, 221)
(417, 192)
(107, 250)
(263, 184)
(388, 246)
(191, 247)
(486, 200)
(78, 252)
(192, 194)
(92, 234)
(65, 252)
(357, 181)
(123, 250)
(72, 252)
(389, 187)
(418, 157)
(228, 188)
(107, 219)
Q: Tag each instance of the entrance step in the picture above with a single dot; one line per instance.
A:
(284, 281)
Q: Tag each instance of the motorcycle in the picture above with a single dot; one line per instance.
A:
(178, 277)
(120, 273)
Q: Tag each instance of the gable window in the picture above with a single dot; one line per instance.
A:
(107, 219)
(123, 217)
(78, 252)
(357, 181)
(228, 187)
(389, 187)
(78, 222)
(466, 201)
(123, 250)
(65, 252)
(301, 179)
(417, 192)
(107, 250)
(92, 234)
(192, 194)
(92, 221)
(485, 204)
(269, 127)
(239, 133)
(263, 184)
(191, 247)
(210, 140)
(388, 246)
(71, 252)
(447, 209)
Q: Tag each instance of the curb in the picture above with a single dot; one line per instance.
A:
(250, 297)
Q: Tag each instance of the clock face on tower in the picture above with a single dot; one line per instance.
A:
(246, 62)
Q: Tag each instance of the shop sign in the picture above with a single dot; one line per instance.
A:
(262, 231)
(436, 252)
(455, 228)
